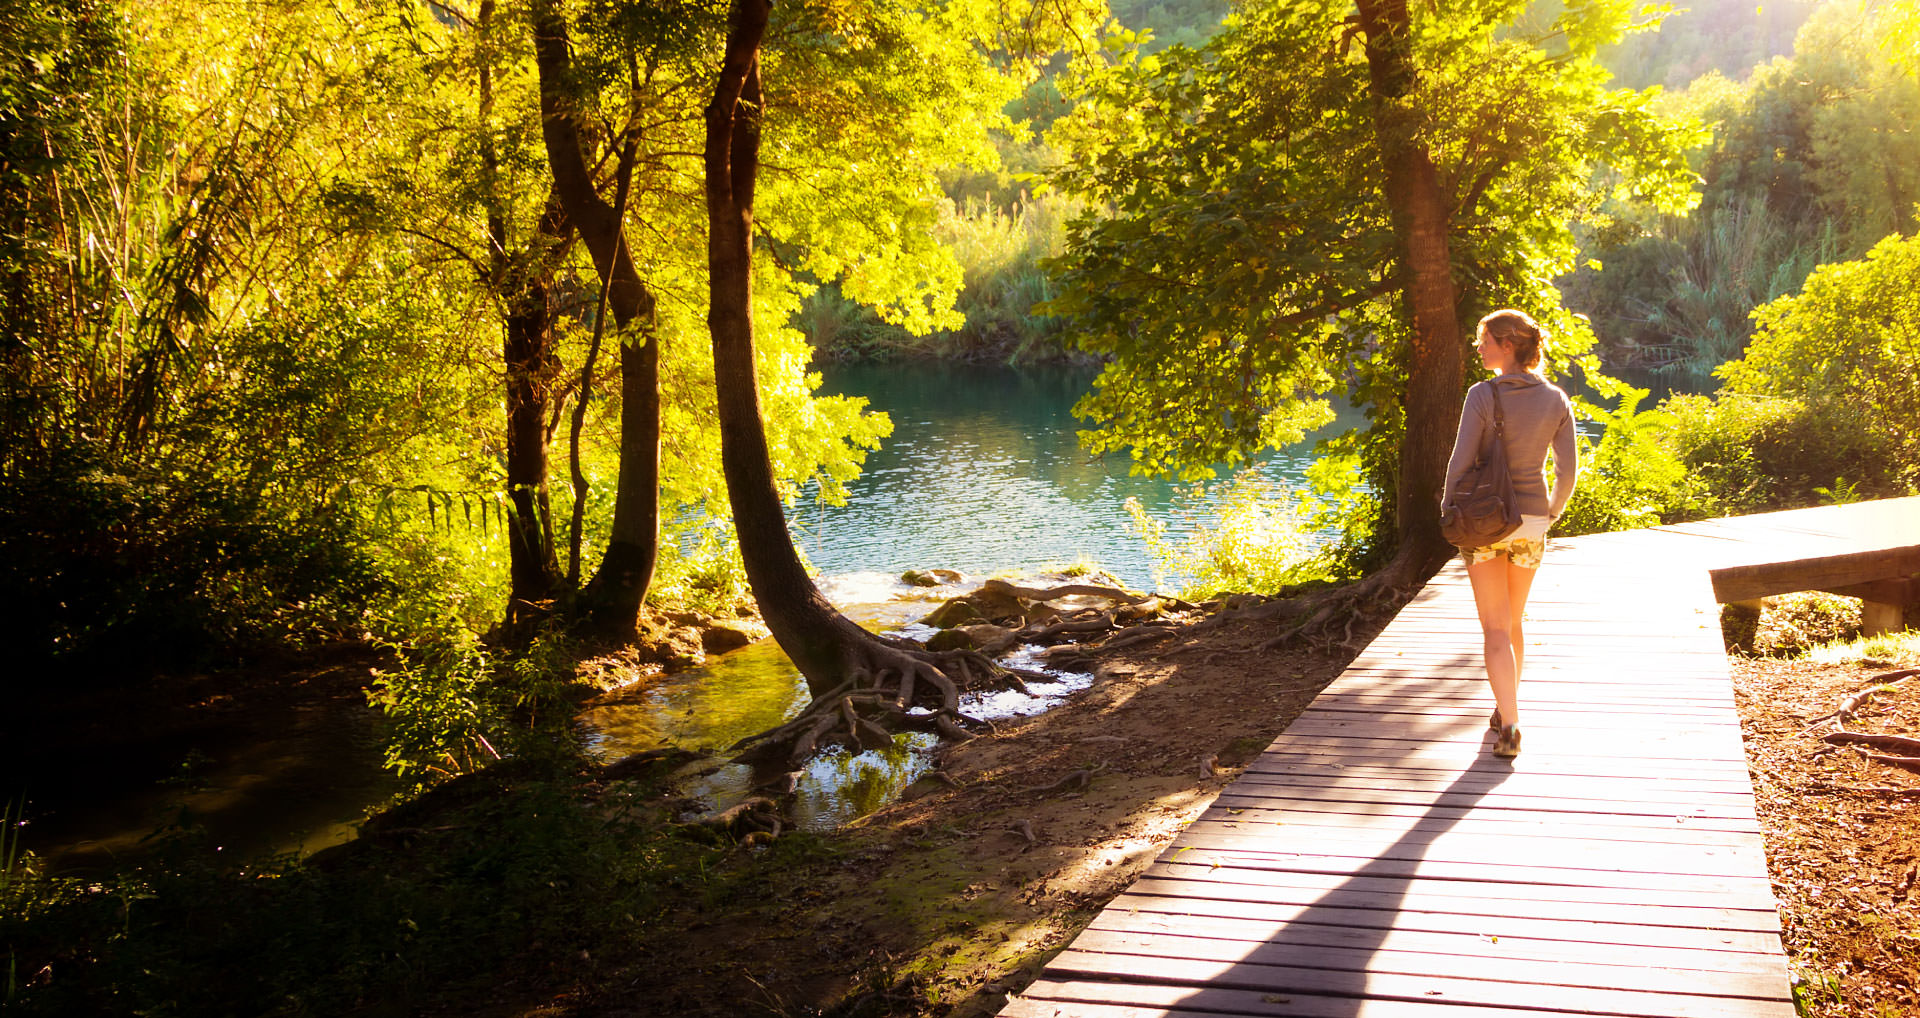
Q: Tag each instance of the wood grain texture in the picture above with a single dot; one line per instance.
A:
(1376, 861)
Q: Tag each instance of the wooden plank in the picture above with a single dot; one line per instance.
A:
(1727, 892)
(1621, 797)
(1489, 899)
(1507, 959)
(1473, 848)
(1396, 985)
(1066, 998)
(1506, 825)
(1232, 917)
(1651, 820)
(1679, 788)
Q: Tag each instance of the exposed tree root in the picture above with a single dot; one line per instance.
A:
(754, 821)
(889, 680)
(1858, 698)
(1905, 763)
(1327, 619)
(1145, 633)
(1074, 781)
(641, 763)
(1898, 743)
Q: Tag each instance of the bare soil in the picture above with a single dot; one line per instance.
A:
(1842, 833)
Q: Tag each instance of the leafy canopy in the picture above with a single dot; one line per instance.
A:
(1239, 263)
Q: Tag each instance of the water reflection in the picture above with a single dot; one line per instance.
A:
(757, 687)
(984, 473)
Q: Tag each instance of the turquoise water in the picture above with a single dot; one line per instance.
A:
(983, 473)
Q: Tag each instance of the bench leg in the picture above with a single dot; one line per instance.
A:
(1878, 617)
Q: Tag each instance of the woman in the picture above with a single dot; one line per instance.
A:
(1537, 416)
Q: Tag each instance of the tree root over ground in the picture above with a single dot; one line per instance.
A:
(1908, 748)
(895, 685)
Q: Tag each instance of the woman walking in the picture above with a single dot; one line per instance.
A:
(1537, 418)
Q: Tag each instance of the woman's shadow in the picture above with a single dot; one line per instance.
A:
(1351, 876)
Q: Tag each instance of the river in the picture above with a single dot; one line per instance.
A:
(984, 473)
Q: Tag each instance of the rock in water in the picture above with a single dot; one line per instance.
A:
(951, 614)
(950, 639)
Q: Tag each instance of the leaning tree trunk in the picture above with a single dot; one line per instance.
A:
(806, 625)
(1420, 220)
(614, 595)
(862, 685)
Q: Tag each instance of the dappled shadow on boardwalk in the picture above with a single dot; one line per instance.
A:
(1258, 915)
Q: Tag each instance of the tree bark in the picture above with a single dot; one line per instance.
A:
(1435, 368)
(519, 279)
(614, 595)
(534, 571)
(816, 636)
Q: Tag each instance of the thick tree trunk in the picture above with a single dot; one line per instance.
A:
(1435, 365)
(816, 636)
(519, 279)
(530, 362)
(614, 595)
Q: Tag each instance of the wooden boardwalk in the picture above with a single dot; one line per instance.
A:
(1378, 861)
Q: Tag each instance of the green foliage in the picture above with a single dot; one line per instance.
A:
(999, 252)
(1847, 348)
(1700, 37)
(1810, 162)
(1259, 536)
(1900, 649)
(1631, 477)
(1188, 23)
(1793, 624)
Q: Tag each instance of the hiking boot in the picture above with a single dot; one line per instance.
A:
(1508, 744)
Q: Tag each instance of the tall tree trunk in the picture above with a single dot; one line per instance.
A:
(614, 595)
(815, 635)
(519, 279)
(534, 571)
(1436, 365)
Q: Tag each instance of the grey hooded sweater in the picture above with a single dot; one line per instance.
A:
(1538, 415)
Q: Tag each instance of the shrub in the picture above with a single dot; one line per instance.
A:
(1795, 623)
(1847, 350)
(1631, 477)
(1263, 536)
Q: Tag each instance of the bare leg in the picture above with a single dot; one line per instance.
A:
(1491, 599)
(1519, 585)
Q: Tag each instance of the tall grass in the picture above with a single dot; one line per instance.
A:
(1250, 535)
(1733, 259)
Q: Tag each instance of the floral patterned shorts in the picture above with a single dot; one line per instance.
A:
(1525, 552)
